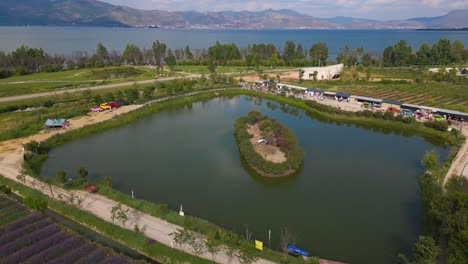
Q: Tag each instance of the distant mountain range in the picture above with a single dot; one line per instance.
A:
(96, 13)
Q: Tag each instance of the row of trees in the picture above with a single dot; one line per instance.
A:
(442, 52)
(25, 60)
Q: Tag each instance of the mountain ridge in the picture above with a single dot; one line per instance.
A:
(97, 13)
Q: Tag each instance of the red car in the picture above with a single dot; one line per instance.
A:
(393, 110)
(114, 105)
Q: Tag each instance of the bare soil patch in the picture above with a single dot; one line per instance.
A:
(268, 152)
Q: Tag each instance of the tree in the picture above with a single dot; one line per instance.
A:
(148, 92)
(170, 59)
(315, 75)
(82, 172)
(32, 146)
(423, 55)
(213, 243)
(181, 237)
(132, 95)
(289, 53)
(319, 54)
(301, 75)
(273, 60)
(132, 54)
(430, 160)
(101, 52)
(98, 99)
(188, 53)
(388, 57)
(159, 53)
(197, 243)
(368, 74)
(458, 48)
(425, 251)
(61, 176)
(366, 60)
(231, 244)
(246, 253)
(401, 53)
(119, 213)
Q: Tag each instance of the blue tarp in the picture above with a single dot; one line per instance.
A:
(55, 122)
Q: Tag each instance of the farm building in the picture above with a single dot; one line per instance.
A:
(323, 73)
(386, 103)
(365, 100)
(56, 123)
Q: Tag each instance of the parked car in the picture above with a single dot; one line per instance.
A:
(406, 112)
(438, 118)
(105, 106)
(114, 105)
(418, 115)
(96, 109)
(392, 110)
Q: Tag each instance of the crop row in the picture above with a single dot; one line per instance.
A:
(29, 239)
(9, 216)
(23, 221)
(17, 233)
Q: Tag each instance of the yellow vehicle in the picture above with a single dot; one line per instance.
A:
(105, 106)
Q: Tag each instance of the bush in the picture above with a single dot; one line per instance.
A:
(5, 189)
(38, 203)
(437, 125)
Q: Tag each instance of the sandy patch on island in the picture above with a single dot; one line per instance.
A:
(268, 152)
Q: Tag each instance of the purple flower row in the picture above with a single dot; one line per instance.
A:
(59, 249)
(36, 248)
(22, 222)
(74, 254)
(94, 257)
(115, 260)
(22, 230)
(7, 249)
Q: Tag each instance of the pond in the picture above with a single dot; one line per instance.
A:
(356, 199)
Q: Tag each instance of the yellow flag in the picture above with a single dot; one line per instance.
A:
(259, 245)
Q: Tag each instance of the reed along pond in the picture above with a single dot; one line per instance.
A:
(357, 198)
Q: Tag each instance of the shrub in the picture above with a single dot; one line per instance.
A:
(36, 202)
(5, 189)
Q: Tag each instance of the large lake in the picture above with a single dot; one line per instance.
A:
(65, 40)
(357, 198)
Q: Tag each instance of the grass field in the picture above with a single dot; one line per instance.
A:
(58, 81)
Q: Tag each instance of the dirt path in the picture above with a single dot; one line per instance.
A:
(92, 88)
(460, 163)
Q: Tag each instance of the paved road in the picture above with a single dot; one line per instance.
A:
(92, 88)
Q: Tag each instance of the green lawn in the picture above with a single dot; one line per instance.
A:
(57, 81)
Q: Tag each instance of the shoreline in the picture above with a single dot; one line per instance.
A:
(16, 162)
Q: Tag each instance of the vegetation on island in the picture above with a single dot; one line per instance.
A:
(275, 134)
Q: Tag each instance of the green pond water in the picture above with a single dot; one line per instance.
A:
(357, 198)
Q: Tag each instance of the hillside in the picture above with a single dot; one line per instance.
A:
(96, 13)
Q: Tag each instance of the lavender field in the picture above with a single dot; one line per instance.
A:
(34, 238)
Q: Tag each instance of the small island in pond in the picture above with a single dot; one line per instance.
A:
(270, 148)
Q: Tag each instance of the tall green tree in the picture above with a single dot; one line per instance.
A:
(289, 52)
(159, 53)
(132, 54)
(188, 53)
(424, 55)
(170, 59)
(319, 54)
(101, 52)
(401, 53)
(458, 49)
(388, 57)
(442, 52)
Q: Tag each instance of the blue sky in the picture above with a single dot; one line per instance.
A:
(373, 9)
